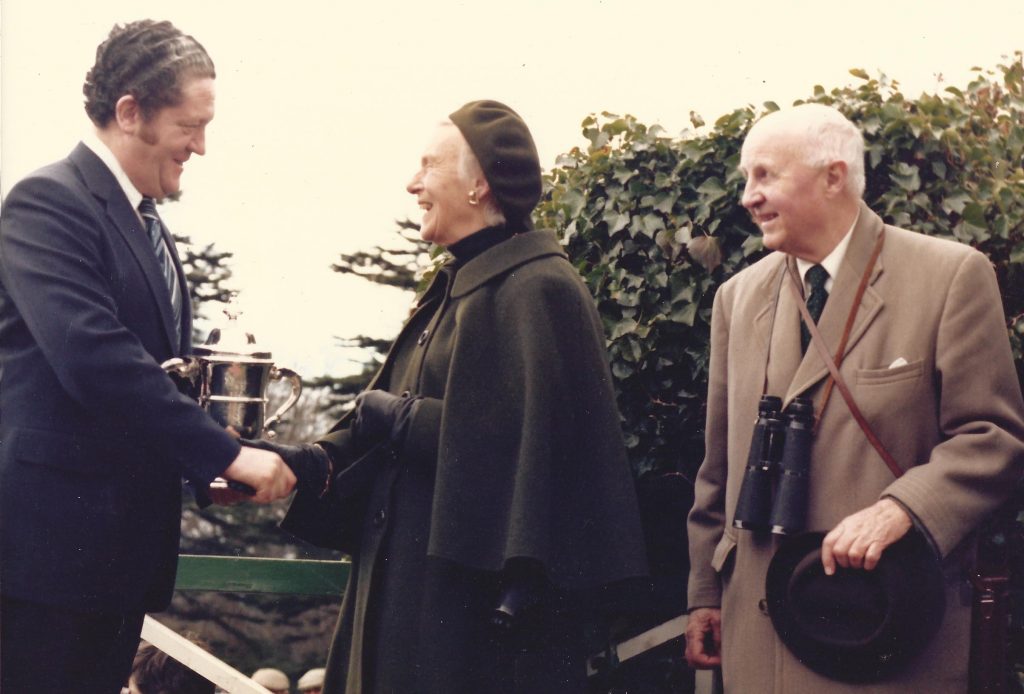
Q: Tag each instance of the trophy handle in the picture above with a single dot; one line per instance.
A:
(276, 374)
(186, 369)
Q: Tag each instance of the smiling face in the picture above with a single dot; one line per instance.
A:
(157, 148)
(443, 193)
(786, 197)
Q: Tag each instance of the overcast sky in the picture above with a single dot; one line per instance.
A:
(323, 107)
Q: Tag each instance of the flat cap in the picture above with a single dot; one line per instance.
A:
(312, 679)
(272, 679)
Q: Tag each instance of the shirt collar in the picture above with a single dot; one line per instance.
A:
(100, 149)
(832, 261)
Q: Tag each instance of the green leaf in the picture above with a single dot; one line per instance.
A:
(665, 240)
(955, 202)
(652, 224)
(712, 188)
(573, 201)
(858, 72)
(623, 175)
(616, 221)
(684, 314)
(751, 245)
(623, 327)
(666, 200)
(906, 177)
(974, 214)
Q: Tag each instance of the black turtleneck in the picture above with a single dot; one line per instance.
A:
(476, 243)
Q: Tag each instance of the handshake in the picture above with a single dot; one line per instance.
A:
(264, 472)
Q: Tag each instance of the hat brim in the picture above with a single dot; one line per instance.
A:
(909, 580)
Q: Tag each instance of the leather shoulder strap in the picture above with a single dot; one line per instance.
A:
(835, 377)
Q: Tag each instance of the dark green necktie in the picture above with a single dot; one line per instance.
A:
(154, 227)
(816, 298)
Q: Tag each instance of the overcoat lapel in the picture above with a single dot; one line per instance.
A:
(782, 326)
(104, 187)
(812, 367)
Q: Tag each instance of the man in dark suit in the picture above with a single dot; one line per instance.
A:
(94, 437)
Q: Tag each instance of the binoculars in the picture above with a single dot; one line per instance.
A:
(773, 495)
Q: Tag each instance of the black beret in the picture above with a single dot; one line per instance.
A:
(504, 147)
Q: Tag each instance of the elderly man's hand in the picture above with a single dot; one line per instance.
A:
(704, 638)
(859, 539)
(264, 471)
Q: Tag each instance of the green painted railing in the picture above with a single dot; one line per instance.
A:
(257, 575)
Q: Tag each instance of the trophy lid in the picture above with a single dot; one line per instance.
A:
(230, 339)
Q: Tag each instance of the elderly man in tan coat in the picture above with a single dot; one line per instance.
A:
(928, 363)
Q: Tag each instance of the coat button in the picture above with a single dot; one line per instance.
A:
(380, 517)
(423, 337)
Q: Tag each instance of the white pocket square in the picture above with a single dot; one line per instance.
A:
(898, 363)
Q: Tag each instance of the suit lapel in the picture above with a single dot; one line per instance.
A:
(784, 356)
(101, 182)
(833, 319)
(776, 331)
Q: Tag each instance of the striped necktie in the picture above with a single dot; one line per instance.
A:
(154, 227)
(816, 298)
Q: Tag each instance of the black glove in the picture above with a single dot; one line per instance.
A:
(381, 416)
(309, 462)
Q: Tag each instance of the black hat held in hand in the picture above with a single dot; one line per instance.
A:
(504, 147)
(855, 626)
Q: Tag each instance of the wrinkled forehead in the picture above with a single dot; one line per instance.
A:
(770, 143)
(444, 141)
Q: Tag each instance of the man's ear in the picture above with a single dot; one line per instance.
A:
(128, 114)
(835, 177)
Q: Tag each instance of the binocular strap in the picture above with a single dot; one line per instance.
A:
(835, 377)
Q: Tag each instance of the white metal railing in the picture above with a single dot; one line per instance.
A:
(195, 658)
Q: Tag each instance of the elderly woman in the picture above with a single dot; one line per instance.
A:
(480, 484)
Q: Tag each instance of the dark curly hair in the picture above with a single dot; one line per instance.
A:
(155, 672)
(147, 59)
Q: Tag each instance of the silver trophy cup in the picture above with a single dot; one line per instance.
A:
(228, 376)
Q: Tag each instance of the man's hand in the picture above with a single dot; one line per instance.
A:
(859, 539)
(704, 638)
(262, 470)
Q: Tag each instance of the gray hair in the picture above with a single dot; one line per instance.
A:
(828, 136)
(469, 169)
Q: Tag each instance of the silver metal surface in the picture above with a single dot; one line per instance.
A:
(228, 377)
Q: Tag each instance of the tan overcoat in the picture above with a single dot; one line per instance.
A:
(951, 415)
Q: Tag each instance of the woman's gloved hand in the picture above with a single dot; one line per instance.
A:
(381, 416)
(308, 461)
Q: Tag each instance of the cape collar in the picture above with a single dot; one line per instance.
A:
(503, 257)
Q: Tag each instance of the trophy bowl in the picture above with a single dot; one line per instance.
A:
(228, 376)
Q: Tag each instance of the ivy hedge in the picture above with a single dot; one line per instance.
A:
(654, 225)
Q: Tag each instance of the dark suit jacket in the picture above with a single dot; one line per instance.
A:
(94, 437)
